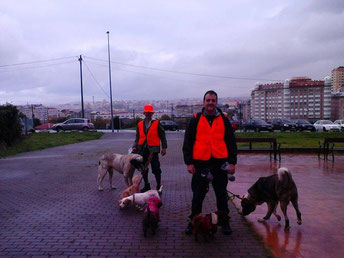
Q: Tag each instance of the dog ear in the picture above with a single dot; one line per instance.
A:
(127, 201)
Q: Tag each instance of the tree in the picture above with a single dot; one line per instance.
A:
(36, 122)
(100, 123)
(165, 117)
(10, 126)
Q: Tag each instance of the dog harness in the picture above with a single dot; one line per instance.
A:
(152, 136)
(209, 140)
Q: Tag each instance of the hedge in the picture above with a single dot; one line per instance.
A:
(10, 127)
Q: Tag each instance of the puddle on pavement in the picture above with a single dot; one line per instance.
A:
(320, 188)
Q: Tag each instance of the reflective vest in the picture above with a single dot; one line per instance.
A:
(210, 140)
(152, 135)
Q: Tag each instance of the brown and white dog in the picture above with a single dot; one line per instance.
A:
(206, 224)
(138, 199)
(134, 188)
(278, 188)
(123, 164)
(151, 217)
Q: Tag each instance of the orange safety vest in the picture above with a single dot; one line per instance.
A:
(210, 140)
(152, 135)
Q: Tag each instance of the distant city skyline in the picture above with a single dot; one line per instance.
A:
(162, 50)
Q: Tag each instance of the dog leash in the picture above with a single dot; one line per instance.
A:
(233, 195)
(146, 166)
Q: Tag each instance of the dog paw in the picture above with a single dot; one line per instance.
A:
(286, 229)
(113, 188)
(261, 220)
(299, 222)
(100, 189)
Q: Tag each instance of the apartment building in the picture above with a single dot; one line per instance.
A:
(296, 98)
(337, 107)
(337, 79)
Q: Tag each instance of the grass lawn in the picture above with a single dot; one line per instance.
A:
(39, 141)
(294, 139)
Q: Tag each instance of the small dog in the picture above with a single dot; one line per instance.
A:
(151, 216)
(123, 164)
(278, 188)
(139, 199)
(134, 188)
(206, 224)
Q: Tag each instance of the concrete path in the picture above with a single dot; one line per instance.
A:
(50, 206)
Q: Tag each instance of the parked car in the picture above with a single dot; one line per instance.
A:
(283, 124)
(304, 125)
(341, 123)
(169, 125)
(234, 125)
(257, 125)
(74, 124)
(326, 125)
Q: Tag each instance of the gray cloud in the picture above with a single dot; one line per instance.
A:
(248, 39)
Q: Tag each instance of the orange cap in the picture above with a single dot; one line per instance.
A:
(148, 108)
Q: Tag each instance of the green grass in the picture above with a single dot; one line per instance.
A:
(46, 140)
(294, 139)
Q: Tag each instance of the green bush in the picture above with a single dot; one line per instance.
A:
(10, 127)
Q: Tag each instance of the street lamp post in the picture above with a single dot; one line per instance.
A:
(112, 124)
(82, 92)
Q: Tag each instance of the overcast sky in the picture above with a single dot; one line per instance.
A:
(162, 49)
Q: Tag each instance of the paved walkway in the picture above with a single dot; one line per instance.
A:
(50, 205)
(320, 188)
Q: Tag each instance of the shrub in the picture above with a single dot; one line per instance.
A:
(10, 126)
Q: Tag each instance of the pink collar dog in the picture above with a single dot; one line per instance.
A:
(154, 203)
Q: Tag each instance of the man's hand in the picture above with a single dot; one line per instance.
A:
(191, 169)
(163, 152)
(231, 169)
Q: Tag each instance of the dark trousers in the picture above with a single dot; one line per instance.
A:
(200, 186)
(155, 165)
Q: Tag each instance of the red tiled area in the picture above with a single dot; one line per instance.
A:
(321, 191)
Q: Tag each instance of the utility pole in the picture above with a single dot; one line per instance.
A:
(32, 116)
(112, 122)
(82, 91)
(172, 112)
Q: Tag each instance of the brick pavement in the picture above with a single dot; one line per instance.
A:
(50, 206)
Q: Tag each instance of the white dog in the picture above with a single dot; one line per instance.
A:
(139, 199)
(123, 164)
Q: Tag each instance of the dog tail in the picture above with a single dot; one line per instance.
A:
(160, 190)
(284, 177)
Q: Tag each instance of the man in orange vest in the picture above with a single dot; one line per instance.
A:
(210, 153)
(149, 134)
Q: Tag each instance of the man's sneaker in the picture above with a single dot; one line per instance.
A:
(188, 229)
(145, 188)
(226, 230)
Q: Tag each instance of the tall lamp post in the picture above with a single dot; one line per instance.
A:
(82, 92)
(112, 124)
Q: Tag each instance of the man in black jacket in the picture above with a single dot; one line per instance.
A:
(210, 153)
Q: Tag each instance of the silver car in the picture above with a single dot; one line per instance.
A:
(340, 123)
(326, 125)
(74, 124)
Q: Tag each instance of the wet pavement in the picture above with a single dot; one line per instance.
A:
(50, 206)
(321, 202)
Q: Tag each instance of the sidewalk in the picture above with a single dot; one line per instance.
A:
(50, 205)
